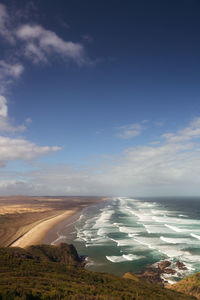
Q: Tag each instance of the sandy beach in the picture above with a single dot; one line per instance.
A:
(26, 220)
(36, 234)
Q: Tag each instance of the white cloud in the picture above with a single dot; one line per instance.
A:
(17, 148)
(34, 53)
(35, 43)
(6, 126)
(40, 43)
(14, 149)
(130, 131)
(3, 107)
(5, 123)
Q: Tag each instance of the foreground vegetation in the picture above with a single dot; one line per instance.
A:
(189, 285)
(49, 272)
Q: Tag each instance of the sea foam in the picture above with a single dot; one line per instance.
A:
(123, 258)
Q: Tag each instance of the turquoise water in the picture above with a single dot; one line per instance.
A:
(127, 234)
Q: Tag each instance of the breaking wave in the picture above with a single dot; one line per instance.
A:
(143, 232)
(124, 257)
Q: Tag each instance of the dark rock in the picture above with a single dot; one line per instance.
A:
(164, 264)
(153, 274)
(169, 271)
(181, 266)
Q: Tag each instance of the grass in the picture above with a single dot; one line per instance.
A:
(55, 273)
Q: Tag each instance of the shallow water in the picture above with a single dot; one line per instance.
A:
(126, 234)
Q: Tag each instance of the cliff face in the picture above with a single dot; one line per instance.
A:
(189, 285)
(57, 272)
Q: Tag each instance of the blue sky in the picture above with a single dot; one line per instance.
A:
(99, 97)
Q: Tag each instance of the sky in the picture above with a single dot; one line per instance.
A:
(100, 97)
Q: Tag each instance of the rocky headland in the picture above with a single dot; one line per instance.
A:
(154, 274)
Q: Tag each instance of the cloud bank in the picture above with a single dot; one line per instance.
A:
(169, 168)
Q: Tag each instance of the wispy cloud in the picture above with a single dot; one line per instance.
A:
(87, 37)
(159, 123)
(8, 74)
(40, 43)
(188, 133)
(37, 43)
(131, 130)
(6, 25)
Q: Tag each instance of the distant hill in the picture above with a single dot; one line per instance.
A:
(57, 272)
(189, 285)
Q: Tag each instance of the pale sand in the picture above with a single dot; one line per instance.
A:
(36, 234)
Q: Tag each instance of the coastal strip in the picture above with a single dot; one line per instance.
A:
(26, 220)
(37, 233)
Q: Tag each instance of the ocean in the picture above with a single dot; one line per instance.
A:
(127, 234)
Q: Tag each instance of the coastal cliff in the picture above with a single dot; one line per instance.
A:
(57, 272)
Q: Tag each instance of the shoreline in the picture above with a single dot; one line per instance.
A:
(53, 233)
(45, 231)
(37, 233)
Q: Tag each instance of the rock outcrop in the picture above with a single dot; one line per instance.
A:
(154, 274)
(164, 264)
(181, 266)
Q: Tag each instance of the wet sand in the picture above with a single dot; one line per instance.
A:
(53, 234)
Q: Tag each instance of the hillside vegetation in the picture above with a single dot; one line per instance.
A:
(56, 272)
(189, 285)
